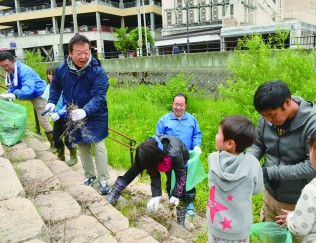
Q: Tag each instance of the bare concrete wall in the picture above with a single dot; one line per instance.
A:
(205, 60)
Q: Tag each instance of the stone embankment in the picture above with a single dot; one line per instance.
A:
(44, 200)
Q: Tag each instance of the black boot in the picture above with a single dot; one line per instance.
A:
(181, 212)
(116, 191)
(61, 153)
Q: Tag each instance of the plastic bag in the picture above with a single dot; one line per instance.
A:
(269, 232)
(195, 174)
(12, 122)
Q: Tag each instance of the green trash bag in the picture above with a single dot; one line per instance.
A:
(12, 122)
(269, 232)
(196, 172)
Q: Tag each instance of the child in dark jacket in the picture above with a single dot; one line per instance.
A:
(60, 120)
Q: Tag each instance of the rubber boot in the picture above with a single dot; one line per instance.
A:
(181, 212)
(61, 153)
(190, 205)
(116, 191)
(73, 157)
(52, 148)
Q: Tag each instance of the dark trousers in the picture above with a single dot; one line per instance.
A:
(59, 128)
(132, 173)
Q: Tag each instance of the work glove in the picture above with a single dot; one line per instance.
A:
(197, 149)
(153, 203)
(78, 114)
(55, 116)
(174, 201)
(8, 96)
(50, 107)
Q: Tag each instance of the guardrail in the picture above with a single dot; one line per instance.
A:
(306, 42)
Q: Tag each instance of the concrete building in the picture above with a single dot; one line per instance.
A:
(35, 24)
(215, 24)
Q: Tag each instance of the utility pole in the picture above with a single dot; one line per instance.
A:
(187, 17)
(140, 38)
(74, 16)
(145, 28)
(61, 34)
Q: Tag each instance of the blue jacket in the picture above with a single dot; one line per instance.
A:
(187, 129)
(30, 85)
(87, 90)
(61, 107)
(61, 104)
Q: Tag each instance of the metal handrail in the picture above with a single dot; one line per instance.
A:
(130, 145)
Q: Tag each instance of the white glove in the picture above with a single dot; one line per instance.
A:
(8, 96)
(55, 116)
(78, 114)
(197, 149)
(153, 203)
(50, 106)
(174, 201)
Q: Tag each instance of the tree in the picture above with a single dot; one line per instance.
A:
(134, 37)
(129, 41)
(123, 42)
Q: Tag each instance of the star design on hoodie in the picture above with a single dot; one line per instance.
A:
(213, 205)
(230, 198)
(226, 223)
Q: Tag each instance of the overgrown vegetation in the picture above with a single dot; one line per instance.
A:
(35, 61)
(135, 109)
(266, 61)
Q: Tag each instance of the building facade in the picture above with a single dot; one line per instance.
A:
(36, 25)
(218, 22)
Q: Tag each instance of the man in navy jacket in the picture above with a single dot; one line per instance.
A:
(84, 84)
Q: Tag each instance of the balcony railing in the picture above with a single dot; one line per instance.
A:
(78, 3)
(82, 28)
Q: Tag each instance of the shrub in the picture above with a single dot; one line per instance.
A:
(265, 61)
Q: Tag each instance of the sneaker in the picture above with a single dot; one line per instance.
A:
(104, 188)
(89, 181)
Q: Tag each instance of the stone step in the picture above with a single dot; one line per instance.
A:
(44, 200)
